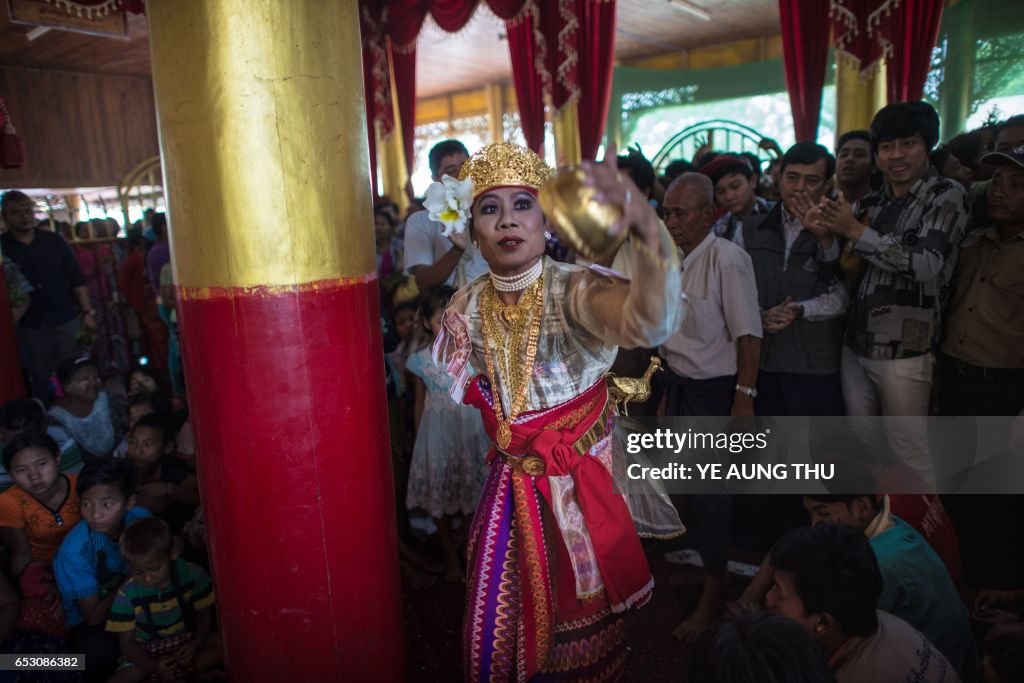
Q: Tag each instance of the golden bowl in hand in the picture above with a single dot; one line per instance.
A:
(581, 221)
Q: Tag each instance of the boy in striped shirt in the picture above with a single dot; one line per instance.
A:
(164, 612)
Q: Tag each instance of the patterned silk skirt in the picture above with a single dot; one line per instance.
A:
(545, 596)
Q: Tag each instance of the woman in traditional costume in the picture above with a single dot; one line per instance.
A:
(554, 555)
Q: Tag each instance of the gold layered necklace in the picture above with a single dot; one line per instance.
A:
(509, 329)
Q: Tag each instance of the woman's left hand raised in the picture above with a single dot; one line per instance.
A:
(612, 186)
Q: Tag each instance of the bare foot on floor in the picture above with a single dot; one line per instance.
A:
(699, 621)
(420, 562)
(416, 579)
(454, 574)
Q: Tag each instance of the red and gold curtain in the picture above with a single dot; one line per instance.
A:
(902, 32)
(594, 73)
(907, 31)
(528, 73)
(376, 79)
(805, 52)
(850, 32)
(404, 20)
(564, 48)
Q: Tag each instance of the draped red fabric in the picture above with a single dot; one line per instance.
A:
(850, 30)
(404, 65)
(527, 79)
(404, 21)
(805, 52)
(594, 72)
(406, 17)
(908, 37)
(559, 21)
(376, 78)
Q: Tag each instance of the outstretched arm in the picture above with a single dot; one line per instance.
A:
(648, 309)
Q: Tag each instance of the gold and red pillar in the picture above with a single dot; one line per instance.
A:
(263, 137)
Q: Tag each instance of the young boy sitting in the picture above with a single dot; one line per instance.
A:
(140, 405)
(89, 568)
(828, 580)
(163, 614)
(164, 489)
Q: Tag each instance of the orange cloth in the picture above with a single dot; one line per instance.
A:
(44, 528)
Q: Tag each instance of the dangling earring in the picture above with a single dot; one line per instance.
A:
(547, 234)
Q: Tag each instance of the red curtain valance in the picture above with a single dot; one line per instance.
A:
(561, 47)
(405, 17)
(853, 40)
(903, 32)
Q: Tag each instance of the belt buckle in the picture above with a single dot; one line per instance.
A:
(533, 466)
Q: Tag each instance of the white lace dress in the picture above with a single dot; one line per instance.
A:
(449, 465)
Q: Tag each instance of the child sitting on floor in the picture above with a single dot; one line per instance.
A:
(89, 567)
(140, 405)
(28, 415)
(163, 614)
(165, 488)
(35, 516)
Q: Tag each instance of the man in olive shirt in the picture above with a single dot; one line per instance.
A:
(982, 363)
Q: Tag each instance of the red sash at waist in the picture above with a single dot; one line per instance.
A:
(552, 435)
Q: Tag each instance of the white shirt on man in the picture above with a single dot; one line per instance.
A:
(425, 245)
(718, 279)
(895, 653)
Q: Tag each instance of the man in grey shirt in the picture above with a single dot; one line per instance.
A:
(430, 257)
(803, 303)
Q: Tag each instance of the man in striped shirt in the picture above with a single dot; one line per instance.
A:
(903, 241)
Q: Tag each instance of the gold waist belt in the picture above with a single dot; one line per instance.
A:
(535, 466)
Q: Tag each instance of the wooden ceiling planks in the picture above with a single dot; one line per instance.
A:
(447, 62)
(58, 50)
(649, 27)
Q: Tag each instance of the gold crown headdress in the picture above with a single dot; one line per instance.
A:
(499, 165)
(505, 165)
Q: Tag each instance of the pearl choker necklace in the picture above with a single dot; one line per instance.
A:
(517, 283)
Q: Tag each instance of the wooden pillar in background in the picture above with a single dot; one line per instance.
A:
(263, 136)
(567, 135)
(858, 98)
(496, 111)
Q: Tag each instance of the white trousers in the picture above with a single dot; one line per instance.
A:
(899, 391)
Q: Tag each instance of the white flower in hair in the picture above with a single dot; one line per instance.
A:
(449, 202)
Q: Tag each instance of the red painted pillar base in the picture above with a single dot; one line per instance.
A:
(12, 378)
(286, 386)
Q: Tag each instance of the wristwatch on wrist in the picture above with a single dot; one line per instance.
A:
(749, 391)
